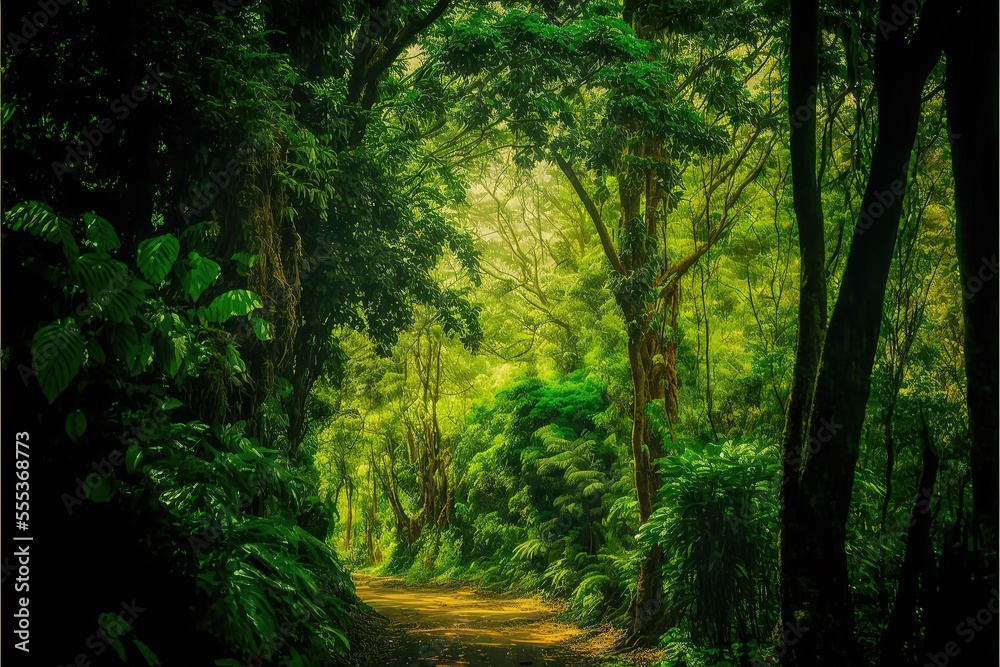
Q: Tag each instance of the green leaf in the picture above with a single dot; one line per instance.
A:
(95, 352)
(38, 219)
(124, 340)
(133, 458)
(261, 328)
(234, 303)
(113, 628)
(170, 404)
(103, 492)
(76, 425)
(172, 351)
(156, 256)
(244, 262)
(200, 274)
(147, 653)
(57, 352)
(283, 387)
(101, 233)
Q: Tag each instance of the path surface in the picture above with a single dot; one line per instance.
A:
(445, 628)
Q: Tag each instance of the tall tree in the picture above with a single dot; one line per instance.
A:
(821, 445)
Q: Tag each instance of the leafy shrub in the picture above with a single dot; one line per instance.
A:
(717, 522)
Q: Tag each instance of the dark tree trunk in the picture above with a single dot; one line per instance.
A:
(803, 77)
(900, 627)
(816, 598)
(971, 97)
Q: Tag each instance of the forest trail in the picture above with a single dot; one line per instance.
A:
(446, 627)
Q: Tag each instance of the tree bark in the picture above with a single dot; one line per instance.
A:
(803, 80)
(900, 627)
(816, 599)
(971, 105)
(971, 99)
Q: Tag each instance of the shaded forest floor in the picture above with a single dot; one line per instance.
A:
(457, 626)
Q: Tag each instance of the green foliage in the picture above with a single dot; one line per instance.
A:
(58, 352)
(196, 483)
(38, 219)
(717, 523)
(201, 272)
(234, 303)
(156, 256)
(233, 298)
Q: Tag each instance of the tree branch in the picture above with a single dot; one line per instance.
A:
(595, 215)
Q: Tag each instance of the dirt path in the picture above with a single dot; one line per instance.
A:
(445, 628)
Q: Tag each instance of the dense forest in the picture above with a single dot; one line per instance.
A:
(678, 317)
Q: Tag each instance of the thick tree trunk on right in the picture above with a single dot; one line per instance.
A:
(971, 98)
(816, 597)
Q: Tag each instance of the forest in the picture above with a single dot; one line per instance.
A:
(450, 332)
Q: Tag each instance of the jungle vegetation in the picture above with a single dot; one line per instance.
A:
(681, 311)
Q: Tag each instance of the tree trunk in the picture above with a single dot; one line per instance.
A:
(971, 103)
(971, 98)
(890, 456)
(900, 627)
(817, 611)
(349, 525)
(803, 79)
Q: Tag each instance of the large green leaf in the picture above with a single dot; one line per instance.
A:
(156, 257)
(38, 219)
(201, 272)
(76, 425)
(101, 233)
(234, 303)
(57, 352)
(172, 351)
(99, 276)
